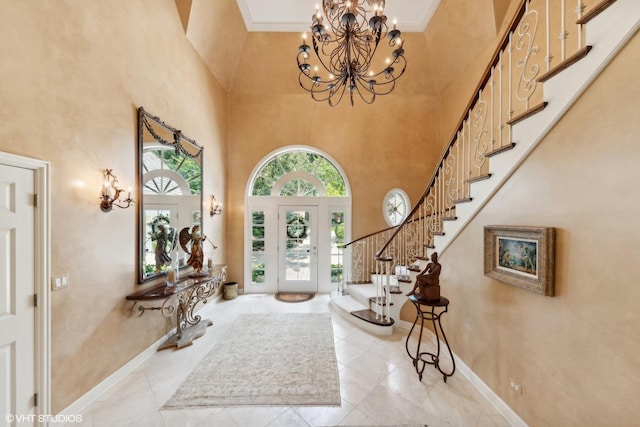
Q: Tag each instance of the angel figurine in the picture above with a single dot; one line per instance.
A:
(196, 254)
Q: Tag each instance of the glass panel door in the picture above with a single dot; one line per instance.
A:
(160, 237)
(297, 249)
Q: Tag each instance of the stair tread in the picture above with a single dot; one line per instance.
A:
(502, 149)
(370, 316)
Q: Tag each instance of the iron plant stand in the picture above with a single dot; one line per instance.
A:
(424, 358)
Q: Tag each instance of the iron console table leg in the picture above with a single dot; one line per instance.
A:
(419, 358)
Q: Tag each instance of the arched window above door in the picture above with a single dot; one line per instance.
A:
(166, 172)
(298, 173)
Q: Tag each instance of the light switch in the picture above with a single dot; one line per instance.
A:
(60, 281)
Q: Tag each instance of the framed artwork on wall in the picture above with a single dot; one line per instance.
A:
(521, 256)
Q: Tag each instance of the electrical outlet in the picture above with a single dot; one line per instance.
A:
(60, 281)
(515, 386)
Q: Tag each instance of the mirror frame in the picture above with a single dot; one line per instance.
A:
(182, 144)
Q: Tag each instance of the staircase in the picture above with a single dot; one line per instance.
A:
(533, 79)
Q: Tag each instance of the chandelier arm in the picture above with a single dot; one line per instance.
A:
(338, 66)
(340, 91)
(360, 86)
(320, 57)
(394, 74)
(364, 54)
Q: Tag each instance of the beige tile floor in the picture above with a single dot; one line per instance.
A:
(378, 384)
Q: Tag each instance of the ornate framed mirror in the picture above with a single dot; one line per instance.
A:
(170, 188)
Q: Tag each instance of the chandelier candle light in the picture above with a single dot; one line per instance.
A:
(345, 47)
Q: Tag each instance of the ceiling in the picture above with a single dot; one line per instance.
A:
(295, 15)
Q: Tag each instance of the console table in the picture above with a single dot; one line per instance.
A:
(182, 299)
(434, 310)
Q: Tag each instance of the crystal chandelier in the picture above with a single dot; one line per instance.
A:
(345, 47)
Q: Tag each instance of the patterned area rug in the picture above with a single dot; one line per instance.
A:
(267, 359)
(293, 297)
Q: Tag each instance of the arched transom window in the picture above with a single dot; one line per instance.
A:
(299, 174)
(169, 173)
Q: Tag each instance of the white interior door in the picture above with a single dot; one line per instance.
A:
(298, 249)
(17, 287)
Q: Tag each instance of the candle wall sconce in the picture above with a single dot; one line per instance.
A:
(215, 207)
(111, 193)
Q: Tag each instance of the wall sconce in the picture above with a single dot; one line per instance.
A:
(215, 207)
(110, 196)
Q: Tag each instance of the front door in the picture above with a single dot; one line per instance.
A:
(298, 249)
(17, 287)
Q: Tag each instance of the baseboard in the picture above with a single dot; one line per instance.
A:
(94, 394)
(498, 404)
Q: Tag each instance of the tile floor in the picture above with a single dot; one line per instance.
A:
(378, 384)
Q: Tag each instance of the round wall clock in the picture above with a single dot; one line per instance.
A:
(395, 207)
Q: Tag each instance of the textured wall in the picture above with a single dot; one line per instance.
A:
(72, 76)
(575, 354)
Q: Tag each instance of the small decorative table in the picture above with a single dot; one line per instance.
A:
(182, 299)
(435, 309)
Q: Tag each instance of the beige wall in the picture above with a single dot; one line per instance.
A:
(575, 354)
(72, 76)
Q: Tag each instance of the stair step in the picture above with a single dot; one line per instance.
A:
(362, 293)
(415, 268)
(344, 305)
(438, 233)
(595, 12)
(450, 218)
(347, 303)
(466, 200)
(363, 282)
(530, 112)
(371, 317)
(500, 150)
(383, 301)
(565, 64)
(479, 178)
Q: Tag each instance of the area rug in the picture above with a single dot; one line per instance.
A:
(267, 359)
(293, 297)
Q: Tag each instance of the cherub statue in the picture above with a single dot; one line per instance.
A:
(196, 254)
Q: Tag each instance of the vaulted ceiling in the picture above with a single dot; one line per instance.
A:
(246, 47)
